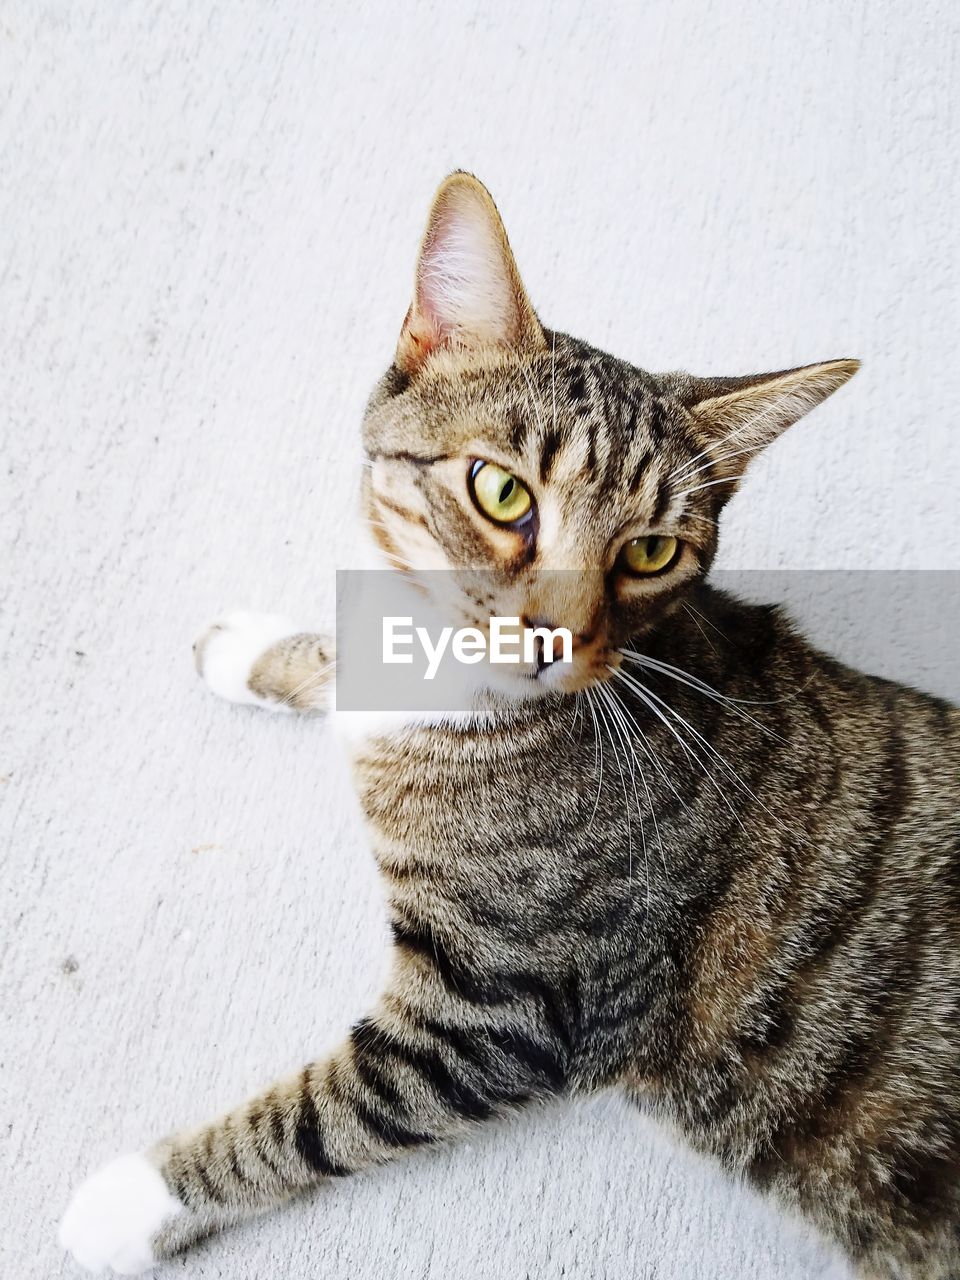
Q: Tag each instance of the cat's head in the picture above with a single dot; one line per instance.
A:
(559, 484)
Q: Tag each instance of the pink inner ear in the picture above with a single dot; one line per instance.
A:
(464, 288)
(430, 292)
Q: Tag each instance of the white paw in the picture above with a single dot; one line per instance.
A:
(227, 650)
(115, 1215)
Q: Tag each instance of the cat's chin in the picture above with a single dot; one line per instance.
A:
(526, 686)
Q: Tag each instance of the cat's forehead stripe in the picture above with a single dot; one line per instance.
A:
(607, 428)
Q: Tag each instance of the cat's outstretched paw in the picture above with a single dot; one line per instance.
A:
(114, 1217)
(227, 651)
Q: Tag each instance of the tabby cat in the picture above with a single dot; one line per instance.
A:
(700, 862)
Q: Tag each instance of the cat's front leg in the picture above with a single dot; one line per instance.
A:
(266, 660)
(426, 1066)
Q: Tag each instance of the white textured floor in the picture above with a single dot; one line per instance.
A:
(208, 214)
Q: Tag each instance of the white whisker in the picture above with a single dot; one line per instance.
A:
(686, 473)
(701, 686)
(623, 782)
(619, 718)
(696, 623)
(690, 609)
(598, 757)
(716, 444)
(685, 493)
(651, 700)
(651, 755)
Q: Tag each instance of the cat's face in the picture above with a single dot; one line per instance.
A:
(558, 484)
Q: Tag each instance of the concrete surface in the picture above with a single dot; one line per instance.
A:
(208, 215)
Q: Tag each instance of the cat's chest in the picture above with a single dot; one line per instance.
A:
(420, 791)
(503, 843)
(455, 793)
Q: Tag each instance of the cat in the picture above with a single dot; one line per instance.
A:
(752, 928)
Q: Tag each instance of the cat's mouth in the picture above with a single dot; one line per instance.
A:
(542, 677)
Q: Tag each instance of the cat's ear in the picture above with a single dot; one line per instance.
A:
(737, 417)
(468, 293)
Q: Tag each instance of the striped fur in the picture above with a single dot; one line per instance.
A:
(778, 973)
(732, 892)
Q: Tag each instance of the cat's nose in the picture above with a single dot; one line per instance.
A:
(551, 650)
(578, 638)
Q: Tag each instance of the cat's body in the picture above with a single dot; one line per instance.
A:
(721, 872)
(780, 976)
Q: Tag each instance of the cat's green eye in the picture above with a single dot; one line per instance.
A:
(499, 495)
(651, 554)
